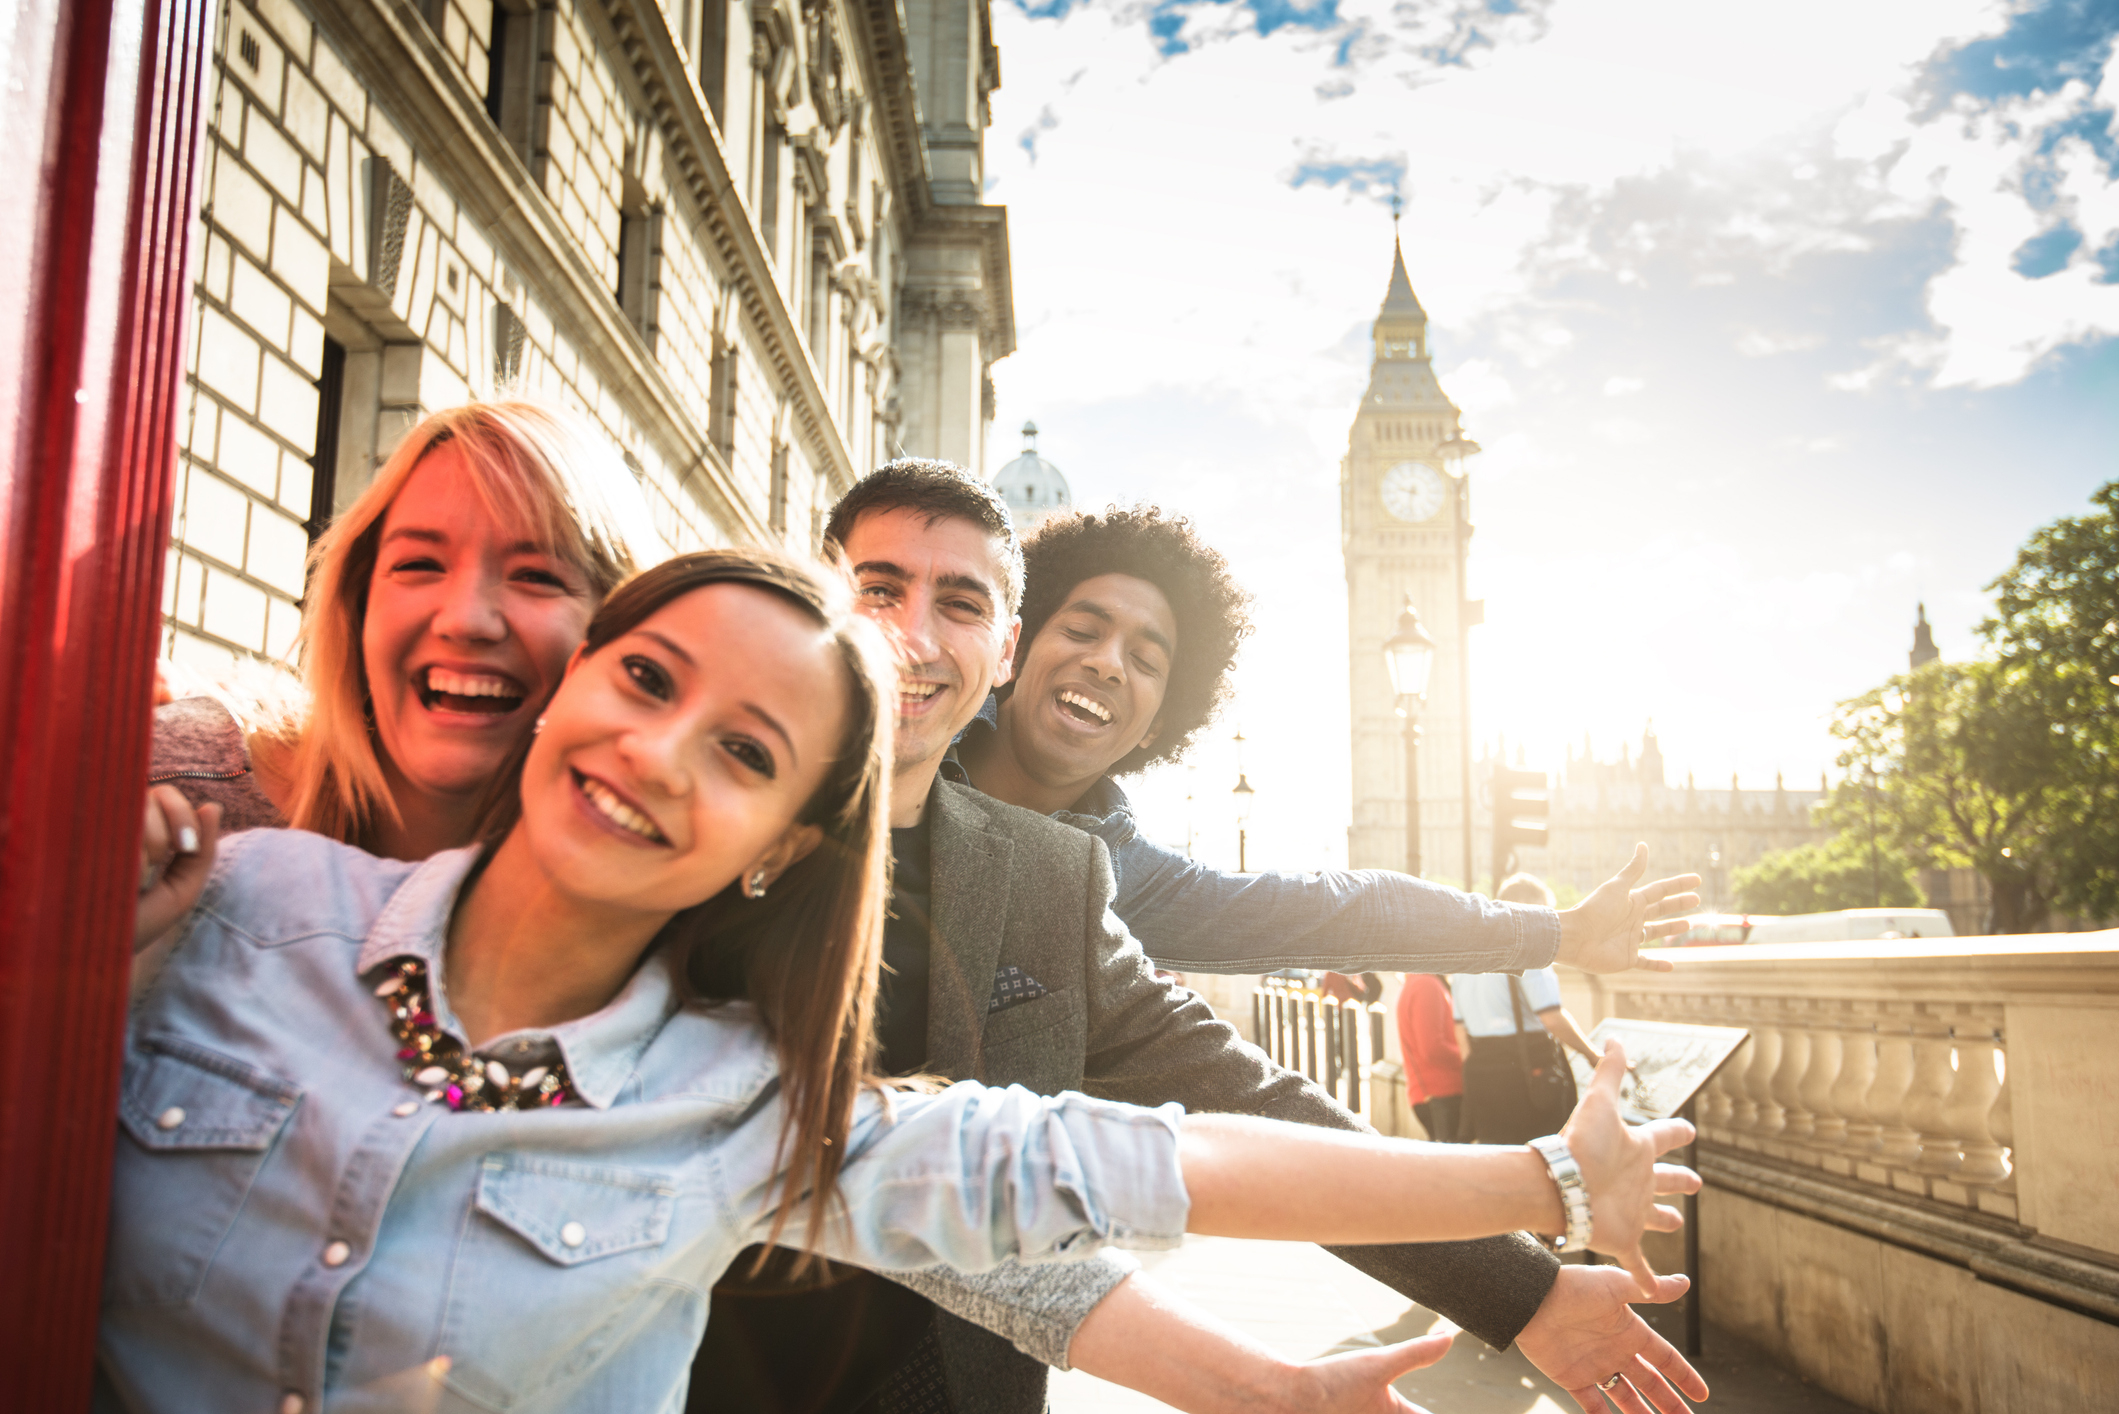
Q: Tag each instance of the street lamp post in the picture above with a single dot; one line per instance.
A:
(1243, 794)
(1410, 655)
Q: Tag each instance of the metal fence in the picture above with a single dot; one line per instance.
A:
(1324, 1038)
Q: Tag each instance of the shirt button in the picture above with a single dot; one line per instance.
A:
(170, 1118)
(409, 1107)
(291, 1404)
(573, 1234)
(336, 1254)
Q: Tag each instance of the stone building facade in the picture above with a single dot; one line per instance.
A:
(746, 239)
(1601, 809)
(1405, 528)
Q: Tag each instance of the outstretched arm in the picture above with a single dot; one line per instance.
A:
(1195, 918)
(1239, 1171)
(1150, 1339)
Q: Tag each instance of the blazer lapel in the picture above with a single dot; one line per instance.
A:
(971, 866)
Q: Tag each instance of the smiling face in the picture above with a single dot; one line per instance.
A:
(660, 776)
(1090, 687)
(937, 591)
(468, 627)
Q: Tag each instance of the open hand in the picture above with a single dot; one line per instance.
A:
(1604, 932)
(1585, 1332)
(1359, 1381)
(176, 858)
(1619, 1168)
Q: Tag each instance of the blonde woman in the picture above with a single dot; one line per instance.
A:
(441, 608)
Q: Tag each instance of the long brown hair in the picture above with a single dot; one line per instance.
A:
(527, 462)
(806, 954)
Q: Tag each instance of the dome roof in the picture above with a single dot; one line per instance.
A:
(1032, 486)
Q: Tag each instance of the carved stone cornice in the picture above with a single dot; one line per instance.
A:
(693, 143)
(880, 48)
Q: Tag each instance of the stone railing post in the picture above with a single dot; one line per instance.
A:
(1850, 1091)
(1828, 1124)
(1797, 1123)
(1897, 1145)
(1926, 1097)
(1766, 1113)
(1973, 1101)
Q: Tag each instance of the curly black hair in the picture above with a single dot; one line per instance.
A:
(1213, 611)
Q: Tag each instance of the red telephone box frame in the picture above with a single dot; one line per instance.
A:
(102, 104)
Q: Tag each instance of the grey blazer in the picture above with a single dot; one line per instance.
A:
(1033, 981)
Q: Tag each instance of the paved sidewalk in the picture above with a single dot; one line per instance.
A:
(1304, 1302)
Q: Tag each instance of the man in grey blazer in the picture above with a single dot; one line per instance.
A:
(1009, 966)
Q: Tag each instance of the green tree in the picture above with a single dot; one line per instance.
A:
(2055, 629)
(1968, 771)
(1829, 874)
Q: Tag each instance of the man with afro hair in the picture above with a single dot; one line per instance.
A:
(1130, 627)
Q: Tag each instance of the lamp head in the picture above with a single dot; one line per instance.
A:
(1410, 655)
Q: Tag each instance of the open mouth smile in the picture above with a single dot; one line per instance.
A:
(1082, 709)
(913, 695)
(481, 694)
(613, 807)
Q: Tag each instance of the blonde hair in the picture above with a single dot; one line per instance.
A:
(527, 462)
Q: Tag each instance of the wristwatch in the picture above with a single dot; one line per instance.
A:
(1574, 1195)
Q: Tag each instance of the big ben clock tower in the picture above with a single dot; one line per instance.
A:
(1405, 523)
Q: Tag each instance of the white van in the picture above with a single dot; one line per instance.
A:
(1852, 925)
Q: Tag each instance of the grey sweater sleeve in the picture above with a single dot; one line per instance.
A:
(1036, 1308)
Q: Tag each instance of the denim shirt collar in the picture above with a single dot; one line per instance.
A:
(601, 1050)
(1103, 809)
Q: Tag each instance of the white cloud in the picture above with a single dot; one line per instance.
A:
(1756, 343)
(1620, 387)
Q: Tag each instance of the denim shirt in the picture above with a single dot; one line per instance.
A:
(1191, 917)
(294, 1228)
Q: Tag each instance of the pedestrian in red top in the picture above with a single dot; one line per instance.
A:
(1434, 1067)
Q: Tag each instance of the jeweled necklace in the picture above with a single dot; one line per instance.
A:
(435, 1061)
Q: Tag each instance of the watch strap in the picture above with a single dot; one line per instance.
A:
(1574, 1194)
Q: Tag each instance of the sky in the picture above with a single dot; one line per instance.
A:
(1772, 320)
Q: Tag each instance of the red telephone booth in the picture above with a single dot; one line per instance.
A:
(101, 108)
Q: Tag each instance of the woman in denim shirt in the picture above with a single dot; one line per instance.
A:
(344, 1184)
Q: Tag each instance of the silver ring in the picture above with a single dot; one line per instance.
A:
(1608, 1384)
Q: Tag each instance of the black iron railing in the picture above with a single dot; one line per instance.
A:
(1330, 1041)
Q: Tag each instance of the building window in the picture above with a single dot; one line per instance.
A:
(721, 400)
(323, 465)
(769, 189)
(713, 59)
(777, 507)
(819, 303)
(640, 262)
(518, 78)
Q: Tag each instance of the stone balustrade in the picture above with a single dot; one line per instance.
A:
(1918, 1136)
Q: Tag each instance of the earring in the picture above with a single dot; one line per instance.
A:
(538, 725)
(754, 886)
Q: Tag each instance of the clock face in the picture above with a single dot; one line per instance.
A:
(1413, 492)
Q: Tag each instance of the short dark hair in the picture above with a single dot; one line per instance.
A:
(1213, 611)
(938, 490)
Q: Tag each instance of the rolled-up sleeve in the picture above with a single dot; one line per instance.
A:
(974, 1175)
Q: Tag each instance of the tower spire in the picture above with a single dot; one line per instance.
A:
(1924, 649)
